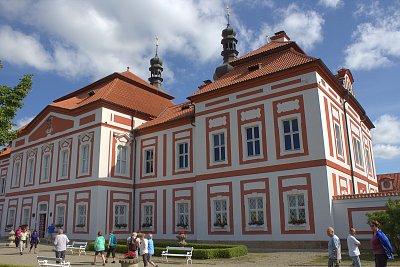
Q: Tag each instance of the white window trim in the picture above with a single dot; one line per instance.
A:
(115, 204)
(179, 228)
(127, 160)
(211, 138)
(358, 155)
(152, 148)
(213, 215)
(43, 178)
(177, 169)
(247, 212)
(143, 219)
(61, 162)
(9, 222)
(25, 219)
(16, 173)
(30, 173)
(244, 128)
(84, 228)
(282, 136)
(338, 139)
(63, 215)
(289, 226)
(82, 172)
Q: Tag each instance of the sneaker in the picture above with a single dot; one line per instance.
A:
(92, 263)
(106, 261)
(113, 262)
(20, 253)
(104, 264)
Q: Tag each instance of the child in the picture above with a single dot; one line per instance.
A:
(34, 241)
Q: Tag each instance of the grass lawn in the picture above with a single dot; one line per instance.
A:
(366, 257)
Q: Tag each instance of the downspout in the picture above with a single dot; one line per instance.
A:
(133, 139)
(348, 143)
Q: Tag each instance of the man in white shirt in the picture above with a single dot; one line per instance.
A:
(60, 243)
(353, 244)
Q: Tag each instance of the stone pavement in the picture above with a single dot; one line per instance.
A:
(10, 255)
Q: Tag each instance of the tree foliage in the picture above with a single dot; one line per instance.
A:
(390, 221)
(10, 101)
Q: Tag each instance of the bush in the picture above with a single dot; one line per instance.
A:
(200, 251)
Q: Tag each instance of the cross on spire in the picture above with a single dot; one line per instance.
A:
(228, 13)
(156, 44)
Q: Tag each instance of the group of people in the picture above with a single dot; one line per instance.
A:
(24, 236)
(137, 244)
(380, 245)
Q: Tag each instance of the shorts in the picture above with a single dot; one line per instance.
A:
(97, 252)
(111, 250)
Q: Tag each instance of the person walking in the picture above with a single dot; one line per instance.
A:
(144, 250)
(22, 240)
(112, 245)
(352, 245)
(380, 245)
(34, 241)
(60, 243)
(151, 249)
(99, 247)
(133, 243)
(50, 231)
(334, 249)
(17, 236)
(28, 240)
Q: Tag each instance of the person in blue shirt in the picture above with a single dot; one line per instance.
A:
(112, 245)
(151, 249)
(50, 231)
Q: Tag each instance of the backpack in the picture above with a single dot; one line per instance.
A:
(133, 244)
(115, 241)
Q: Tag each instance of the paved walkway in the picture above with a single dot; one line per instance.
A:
(10, 255)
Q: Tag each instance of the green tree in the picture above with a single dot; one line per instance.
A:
(10, 101)
(390, 221)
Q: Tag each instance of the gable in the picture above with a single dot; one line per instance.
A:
(51, 125)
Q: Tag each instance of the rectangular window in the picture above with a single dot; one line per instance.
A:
(183, 155)
(338, 137)
(85, 159)
(219, 147)
(25, 216)
(82, 215)
(120, 214)
(183, 215)
(17, 168)
(357, 152)
(11, 218)
(64, 162)
(253, 141)
(31, 170)
(367, 161)
(60, 215)
(2, 185)
(220, 213)
(297, 210)
(120, 166)
(256, 211)
(149, 161)
(291, 134)
(147, 216)
(46, 168)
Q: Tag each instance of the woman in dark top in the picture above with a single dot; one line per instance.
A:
(34, 241)
(380, 245)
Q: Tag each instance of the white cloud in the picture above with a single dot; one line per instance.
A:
(374, 43)
(386, 137)
(95, 38)
(23, 122)
(302, 26)
(331, 3)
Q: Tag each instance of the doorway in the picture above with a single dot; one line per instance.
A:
(42, 225)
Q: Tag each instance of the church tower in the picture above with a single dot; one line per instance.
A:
(156, 69)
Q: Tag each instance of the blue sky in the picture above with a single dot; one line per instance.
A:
(69, 44)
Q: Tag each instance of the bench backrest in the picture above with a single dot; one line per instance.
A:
(180, 248)
(78, 243)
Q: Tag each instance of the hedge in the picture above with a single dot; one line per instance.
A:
(201, 251)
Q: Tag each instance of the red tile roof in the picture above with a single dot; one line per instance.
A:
(394, 177)
(170, 114)
(273, 57)
(124, 89)
(368, 195)
(5, 151)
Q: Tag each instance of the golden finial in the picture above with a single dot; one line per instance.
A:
(156, 44)
(228, 13)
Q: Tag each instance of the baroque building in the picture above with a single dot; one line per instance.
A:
(276, 148)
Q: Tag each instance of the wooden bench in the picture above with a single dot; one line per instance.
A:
(178, 252)
(52, 262)
(79, 246)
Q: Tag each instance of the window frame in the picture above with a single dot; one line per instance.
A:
(368, 163)
(262, 209)
(46, 169)
(184, 155)
(25, 218)
(290, 117)
(358, 157)
(146, 161)
(245, 141)
(117, 217)
(288, 225)
(30, 170)
(145, 216)
(64, 162)
(84, 159)
(57, 215)
(119, 161)
(214, 213)
(16, 173)
(14, 210)
(185, 214)
(338, 139)
(79, 216)
(213, 147)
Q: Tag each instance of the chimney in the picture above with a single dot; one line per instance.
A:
(280, 37)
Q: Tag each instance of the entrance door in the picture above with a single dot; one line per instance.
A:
(42, 225)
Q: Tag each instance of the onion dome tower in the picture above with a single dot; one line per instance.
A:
(229, 51)
(156, 69)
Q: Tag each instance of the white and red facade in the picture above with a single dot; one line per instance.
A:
(261, 159)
